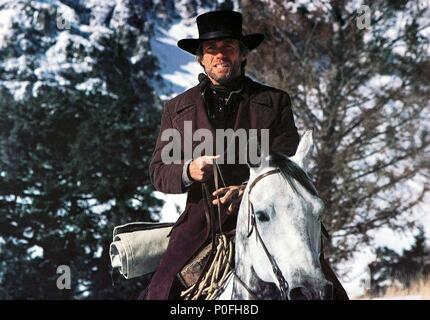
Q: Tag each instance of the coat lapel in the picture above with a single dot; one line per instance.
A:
(202, 121)
(193, 109)
(243, 114)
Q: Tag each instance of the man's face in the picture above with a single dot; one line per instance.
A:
(222, 59)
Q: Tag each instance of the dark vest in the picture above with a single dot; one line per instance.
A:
(221, 105)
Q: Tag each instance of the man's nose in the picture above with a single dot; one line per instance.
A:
(220, 52)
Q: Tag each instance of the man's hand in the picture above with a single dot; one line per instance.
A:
(229, 196)
(200, 169)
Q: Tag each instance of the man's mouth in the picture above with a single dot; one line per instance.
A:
(222, 65)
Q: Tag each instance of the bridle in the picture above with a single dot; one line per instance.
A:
(252, 224)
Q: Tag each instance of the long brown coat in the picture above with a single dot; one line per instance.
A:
(261, 107)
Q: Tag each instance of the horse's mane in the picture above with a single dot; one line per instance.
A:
(290, 171)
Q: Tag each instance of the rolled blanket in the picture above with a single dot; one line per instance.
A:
(137, 247)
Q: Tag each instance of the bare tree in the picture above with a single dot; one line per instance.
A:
(360, 78)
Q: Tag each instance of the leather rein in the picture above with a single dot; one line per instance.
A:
(252, 224)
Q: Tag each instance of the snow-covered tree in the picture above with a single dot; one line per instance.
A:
(357, 72)
(79, 118)
(391, 268)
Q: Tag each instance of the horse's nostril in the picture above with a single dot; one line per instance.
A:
(300, 293)
(303, 293)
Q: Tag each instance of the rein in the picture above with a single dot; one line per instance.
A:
(252, 224)
(283, 284)
(210, 222)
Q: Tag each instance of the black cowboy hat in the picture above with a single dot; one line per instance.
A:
(218, 25)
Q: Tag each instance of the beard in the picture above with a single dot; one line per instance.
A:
(225, 75)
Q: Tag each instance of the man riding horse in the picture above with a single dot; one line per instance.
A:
(224, 99)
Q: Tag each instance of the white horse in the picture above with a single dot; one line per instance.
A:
(278, 233)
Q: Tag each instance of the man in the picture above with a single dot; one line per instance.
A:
(224, 99)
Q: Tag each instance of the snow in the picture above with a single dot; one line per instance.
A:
(179, 69)
(385, 82)
(398, 25)
(355, 273)
(173, 206)
(120, 15)
(310, 5)
(6, 19)
(17, 88)
(35, 252)
(56, 56)
(92, 84)
(66, 17)
(411, 297)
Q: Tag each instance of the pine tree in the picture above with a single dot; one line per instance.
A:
(405, 268)
(81, 118)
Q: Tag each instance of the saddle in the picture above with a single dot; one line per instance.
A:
(192, 271)
(207, 269)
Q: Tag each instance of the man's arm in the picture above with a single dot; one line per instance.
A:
(283, 133)
(283, 137)
(176, 178)
(166, 178)
(186, 179)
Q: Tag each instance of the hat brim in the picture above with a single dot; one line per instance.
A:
(251, 41)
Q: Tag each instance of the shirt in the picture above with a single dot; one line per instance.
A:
(221, 106)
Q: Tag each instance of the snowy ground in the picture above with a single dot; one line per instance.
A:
(412, 297)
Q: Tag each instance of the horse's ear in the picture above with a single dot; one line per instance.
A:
(304, 150)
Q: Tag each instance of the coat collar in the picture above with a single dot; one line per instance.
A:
(191, 107)
(242, 117)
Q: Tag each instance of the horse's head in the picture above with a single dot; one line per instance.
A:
(282, 202)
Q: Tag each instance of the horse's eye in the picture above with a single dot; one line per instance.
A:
(262, 216)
